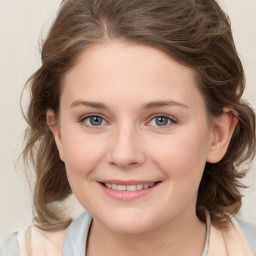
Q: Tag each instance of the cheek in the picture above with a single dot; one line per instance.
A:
(82, 153)
(182, 156)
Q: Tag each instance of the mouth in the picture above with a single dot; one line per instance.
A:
(128, 190)
(132, 187)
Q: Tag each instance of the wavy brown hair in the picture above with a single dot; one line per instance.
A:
(196, 33)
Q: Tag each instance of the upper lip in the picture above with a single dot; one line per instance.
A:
(128, 182)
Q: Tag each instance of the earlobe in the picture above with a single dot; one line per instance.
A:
(223, 129)
(54, 127)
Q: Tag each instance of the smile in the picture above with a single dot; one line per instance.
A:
(128, 190)
(129, 187)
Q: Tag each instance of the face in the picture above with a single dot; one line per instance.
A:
(134, 136)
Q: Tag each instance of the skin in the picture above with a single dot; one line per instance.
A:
(129, 144)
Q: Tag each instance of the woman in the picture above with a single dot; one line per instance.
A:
(137, 110)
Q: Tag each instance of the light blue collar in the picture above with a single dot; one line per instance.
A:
(76, 236)
(208, 224)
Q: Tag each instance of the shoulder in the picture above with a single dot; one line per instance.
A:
(10, 247)
(33, 241)
(47, 243)
(249, 230)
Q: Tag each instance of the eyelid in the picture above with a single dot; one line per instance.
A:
(171, 118)
(82, 120)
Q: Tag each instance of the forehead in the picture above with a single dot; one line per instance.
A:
(127, 57)
(131, 73)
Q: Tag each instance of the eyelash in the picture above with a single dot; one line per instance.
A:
(83, 120)
(171, 120)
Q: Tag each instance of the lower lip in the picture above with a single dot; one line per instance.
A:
(127, 195)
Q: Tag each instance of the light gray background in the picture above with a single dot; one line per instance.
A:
(22, 22)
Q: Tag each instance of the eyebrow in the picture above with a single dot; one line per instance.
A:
(157, 104)
(150, 105)
(77, 103)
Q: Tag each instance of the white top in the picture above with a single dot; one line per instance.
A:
(72, 242)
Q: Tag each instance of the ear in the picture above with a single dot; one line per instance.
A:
(223, 128)
(54, 127)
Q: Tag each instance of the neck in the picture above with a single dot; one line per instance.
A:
(183, 236)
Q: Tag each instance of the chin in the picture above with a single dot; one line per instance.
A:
(129, 223)
(129, 228)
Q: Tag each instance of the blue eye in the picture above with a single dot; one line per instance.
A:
(161, 121)
(94, 120)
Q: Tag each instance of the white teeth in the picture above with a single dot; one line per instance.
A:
(145, 185)
(151, 184)
(114, 186)
(139, 187)
(129, 187)
(121, 187)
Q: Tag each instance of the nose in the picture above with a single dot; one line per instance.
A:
(126, 149)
